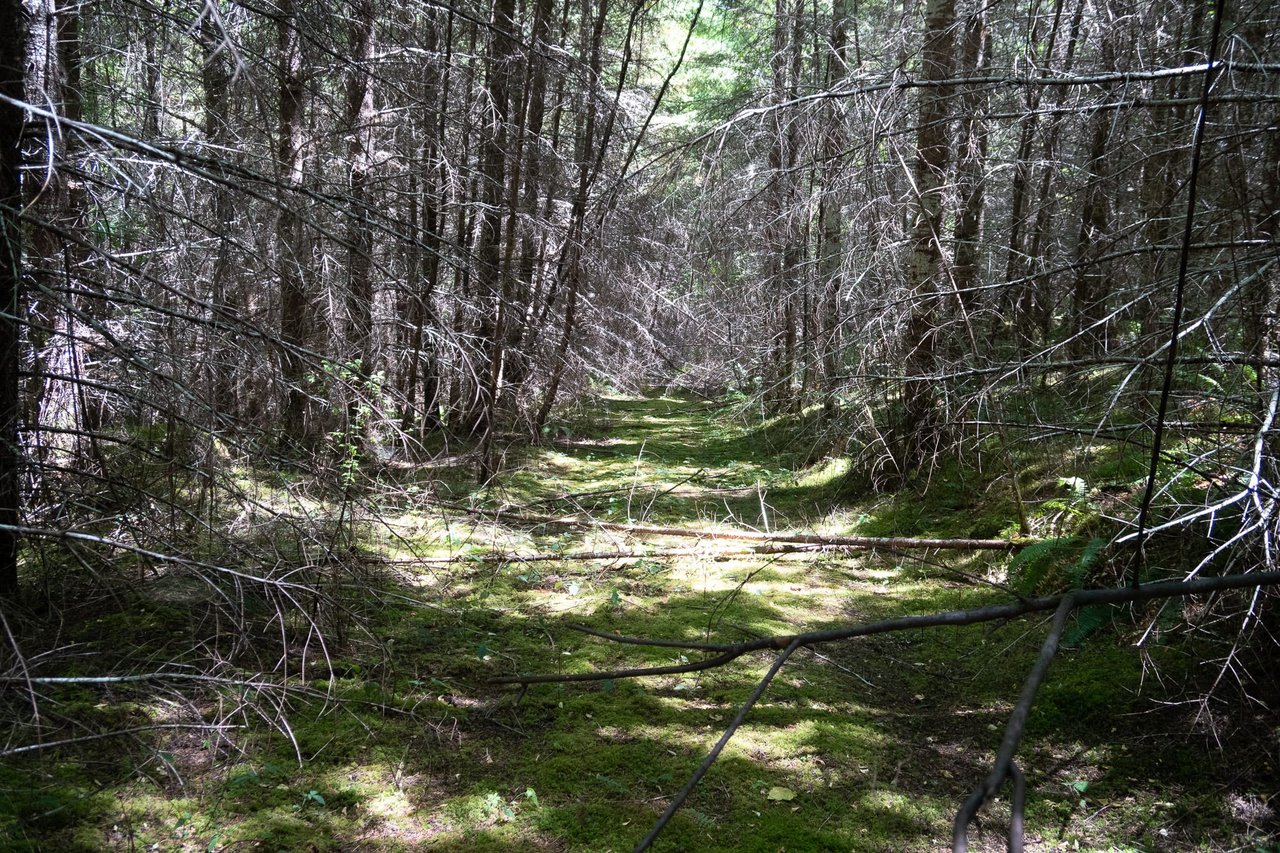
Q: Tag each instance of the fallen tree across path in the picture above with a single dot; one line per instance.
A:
(711, 553)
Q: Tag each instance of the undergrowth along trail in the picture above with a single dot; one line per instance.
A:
(866, 746)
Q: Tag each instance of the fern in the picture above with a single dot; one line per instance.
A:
(1088, 621)
(1079, 572)
(1046, 566)
(1030, 565)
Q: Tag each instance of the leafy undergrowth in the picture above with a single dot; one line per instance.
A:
(868, 746)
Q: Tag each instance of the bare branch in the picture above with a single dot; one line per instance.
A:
(729, 653)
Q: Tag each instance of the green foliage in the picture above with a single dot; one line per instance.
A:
(1028, 568)
(867, 748)
(1054, 565)
(1088, 620)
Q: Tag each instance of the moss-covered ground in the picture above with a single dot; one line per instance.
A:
(865, 746)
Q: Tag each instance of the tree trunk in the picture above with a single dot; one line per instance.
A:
(360, 127)
(292, 254)
(781, 234)
(568, 269)
(493, 177)
(12, 64)
(920, 431)
(215, 79)
(972, 166)
(830, 218)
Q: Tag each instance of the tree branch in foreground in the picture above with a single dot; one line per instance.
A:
(1003, 767)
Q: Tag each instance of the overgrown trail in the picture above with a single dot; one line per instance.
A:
(866, 746)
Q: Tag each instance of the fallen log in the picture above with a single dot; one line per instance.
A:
(850, 542)
(586, 556)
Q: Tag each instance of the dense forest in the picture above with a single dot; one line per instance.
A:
(362, 364)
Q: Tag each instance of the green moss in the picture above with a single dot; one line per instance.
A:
(878, 739)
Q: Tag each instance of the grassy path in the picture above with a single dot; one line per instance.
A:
(865, 746)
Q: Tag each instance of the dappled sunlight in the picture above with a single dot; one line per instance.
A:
(867, 745)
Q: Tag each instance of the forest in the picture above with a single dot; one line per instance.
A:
(590, 425)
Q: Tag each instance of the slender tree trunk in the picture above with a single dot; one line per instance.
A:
(12, 64)
(782, 239)
(535, 117)
(972, 166)
(489, 271)
(215, 79)
(292, 254)
(1033, 309)
(830, 218)
(1090, 295)
(63, 411)
(360, 128)
(920, 432)
(569, 266)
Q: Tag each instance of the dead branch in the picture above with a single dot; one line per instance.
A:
(993, 613)
(850, 542)
(17, 750)
(1004, 767)
(678, 800)
(585, 556)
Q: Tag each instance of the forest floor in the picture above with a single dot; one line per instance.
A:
(867, 745)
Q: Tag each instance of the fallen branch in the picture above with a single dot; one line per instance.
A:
(850, 542)
(678, 800)
(993, 613)
(587, 556)
(1004, 767)
(17, 750)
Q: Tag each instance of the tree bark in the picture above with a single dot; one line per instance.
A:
(215, 79)
(493, 177)
(830, 217)
(13, 27)
(569, 266)
(360, 120)
(971, 176)
(920, 430)
(292, 255)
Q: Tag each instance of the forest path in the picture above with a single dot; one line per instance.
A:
(666, 460)
(406, 743)
(877, 740)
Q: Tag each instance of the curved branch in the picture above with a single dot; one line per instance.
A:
(705, 766)
(995, 612)
(1003, 766)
